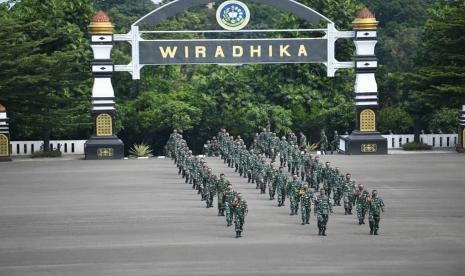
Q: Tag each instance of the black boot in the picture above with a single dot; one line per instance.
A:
(319, 231)
(376, 232)
(360, 222)
(238, 234)
(346, 212)
(324, 232)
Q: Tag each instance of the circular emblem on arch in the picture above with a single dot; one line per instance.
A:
(233, 15)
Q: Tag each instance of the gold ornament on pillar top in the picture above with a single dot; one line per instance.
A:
(101, 24)
(365, 20)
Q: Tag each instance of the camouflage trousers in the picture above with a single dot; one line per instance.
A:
(347, 201)
(322, 221)
(294, 203)
(374, 221)
(239, 222)
(281, 195)
(305, 213)
(229, 213)
(272, 190)
(361, 212)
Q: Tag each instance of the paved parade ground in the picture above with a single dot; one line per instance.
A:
(137, 217)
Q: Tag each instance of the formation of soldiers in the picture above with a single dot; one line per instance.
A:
(196, 172)
(312, 182)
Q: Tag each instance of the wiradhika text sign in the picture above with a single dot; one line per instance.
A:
(233, 51)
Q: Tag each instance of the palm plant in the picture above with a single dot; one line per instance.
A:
(140, 150)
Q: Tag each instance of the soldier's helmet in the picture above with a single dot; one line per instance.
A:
(283, 138)
(360, 187)
(306, 185)
(374, 193)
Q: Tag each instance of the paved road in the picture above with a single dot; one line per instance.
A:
(137, 217)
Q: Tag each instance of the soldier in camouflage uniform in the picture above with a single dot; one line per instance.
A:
(296, 160)
(335, 142)
(328, 178)
(209, 184)
(317, 172)
(323, 208)
(281, 186)
(240, 211)
(272, 175)
(303, 141)
(306, 199)
(228, 198)
(283, 151)
(375, 207)
(361, 197)
(293, 188)
(220, 187)
(338, 188)
(323, 143)
(348, 194)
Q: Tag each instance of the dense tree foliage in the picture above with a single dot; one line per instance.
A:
(46, 85)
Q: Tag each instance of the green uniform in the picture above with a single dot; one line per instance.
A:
(220, 187)
(228, 198)
(323, 144)
(281, 185)
(361, 203)
(293, 189)
(306, 198)
(375, 207)
(348, 195)
(323, 208)
(240, 211)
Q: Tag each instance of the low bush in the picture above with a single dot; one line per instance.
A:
(416, 146)
(46, 154)
(140, 150)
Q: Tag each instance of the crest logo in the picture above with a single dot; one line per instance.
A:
(233, 15)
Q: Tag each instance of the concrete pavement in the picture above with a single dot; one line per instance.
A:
(137, 217)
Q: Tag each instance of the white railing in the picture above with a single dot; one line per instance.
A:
(396, 141)
(67, 147)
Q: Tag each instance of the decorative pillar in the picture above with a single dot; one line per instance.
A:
(5, 149)
(461, 140)
(365, 139)
(103, 144)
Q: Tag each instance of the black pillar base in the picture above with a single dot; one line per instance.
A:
(5, 159)
(104, 148)
(365, 143)
(460, 150)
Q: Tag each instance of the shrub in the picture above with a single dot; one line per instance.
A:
(140, 150)
(311, 148)
(416, 146)
(46, 154)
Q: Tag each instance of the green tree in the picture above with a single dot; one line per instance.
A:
(444, 119)
(45, 57)
(439, 80)
(395, 119)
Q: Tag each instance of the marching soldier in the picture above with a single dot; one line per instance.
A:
(361, 197)
(281, 186)
(293, 189)
(375, 207)
(228, 198)
(306, 198)
(220, 187)
(349, 188)
(323, 208)
(240, 211)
